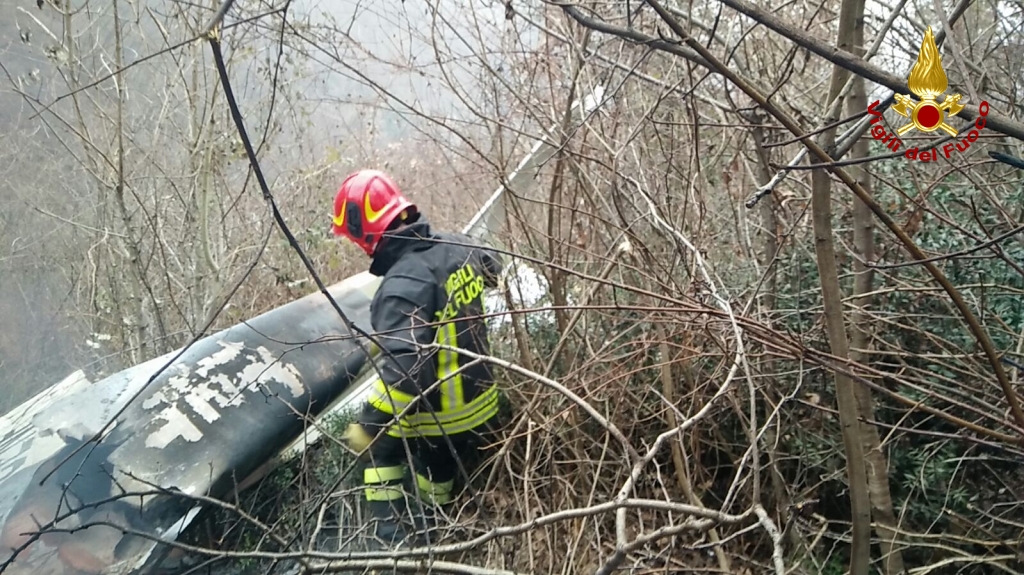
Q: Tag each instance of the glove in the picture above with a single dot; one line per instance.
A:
(356, 437)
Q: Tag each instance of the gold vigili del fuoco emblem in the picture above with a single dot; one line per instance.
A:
(927, 81)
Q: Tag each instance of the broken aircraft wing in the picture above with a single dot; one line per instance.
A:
(231, 401)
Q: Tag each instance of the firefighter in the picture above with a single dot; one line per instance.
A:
(437, 402)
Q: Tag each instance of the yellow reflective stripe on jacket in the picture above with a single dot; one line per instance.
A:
(390, 401)
(394, 401)
(448, 369)
(470, 416)
(467, 411)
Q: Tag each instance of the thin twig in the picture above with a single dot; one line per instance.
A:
(953, 255)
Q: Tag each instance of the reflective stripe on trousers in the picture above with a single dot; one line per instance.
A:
(383, 483)
(435, 493)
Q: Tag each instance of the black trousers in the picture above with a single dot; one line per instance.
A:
(436, 464)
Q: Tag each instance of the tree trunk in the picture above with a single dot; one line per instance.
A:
(769, 249)
(821, 207)
(864, 245)
(770, 223)
(557, 278)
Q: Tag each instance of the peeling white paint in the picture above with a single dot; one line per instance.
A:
(230, 352)
(198, 402)
(231, 396)
(210, 387)
(279, 371)
(176, 425)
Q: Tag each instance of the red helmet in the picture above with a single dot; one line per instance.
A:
(366, 204)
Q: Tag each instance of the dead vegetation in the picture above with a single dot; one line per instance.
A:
(742, 364)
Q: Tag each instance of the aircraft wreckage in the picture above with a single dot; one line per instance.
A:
(215, 419)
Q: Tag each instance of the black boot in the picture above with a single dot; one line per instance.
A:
(386, 521)
(429, 522)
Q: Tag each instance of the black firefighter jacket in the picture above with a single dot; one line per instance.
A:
(431, 292)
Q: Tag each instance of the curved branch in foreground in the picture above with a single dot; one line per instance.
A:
(700, 518)
(972, 321)
(422, 566)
